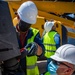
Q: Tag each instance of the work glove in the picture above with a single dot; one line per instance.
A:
(33, 49)
(23, 52)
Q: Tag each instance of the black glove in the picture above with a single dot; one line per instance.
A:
(33, 49)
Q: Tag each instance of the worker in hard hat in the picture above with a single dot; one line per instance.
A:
(63, 61)
(51, 39)
(27, 15)
(45, 27)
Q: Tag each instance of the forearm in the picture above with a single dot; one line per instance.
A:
(39, 50)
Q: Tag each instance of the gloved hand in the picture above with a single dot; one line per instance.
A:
(32, 49)
(23, 53)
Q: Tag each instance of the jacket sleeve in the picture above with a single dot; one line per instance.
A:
(57, 40)
(38, 40)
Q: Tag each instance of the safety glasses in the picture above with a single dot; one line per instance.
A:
(58, 63)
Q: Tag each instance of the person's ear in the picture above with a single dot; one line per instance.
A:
(18, 17)
(54, 27)
(68, 71)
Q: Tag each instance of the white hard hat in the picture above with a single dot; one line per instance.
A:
(65, 53)
(28, 12)
(48, 25)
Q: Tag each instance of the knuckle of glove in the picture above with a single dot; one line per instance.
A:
(32, 50)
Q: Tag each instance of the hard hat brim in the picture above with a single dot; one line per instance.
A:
(65, 53)
(56, 58)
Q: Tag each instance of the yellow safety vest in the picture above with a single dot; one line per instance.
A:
(47, 73)
(32, 68)
(49, 43)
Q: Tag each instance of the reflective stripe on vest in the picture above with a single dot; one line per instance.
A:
(50, 50)
(31, 66)
(32, 59)
(49, 43)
